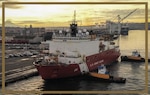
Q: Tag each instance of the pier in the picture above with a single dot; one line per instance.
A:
(18, 74)
(17, 67)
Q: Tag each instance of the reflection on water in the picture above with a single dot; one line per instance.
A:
(135, 81)
(135, 40)
(133, 71)
(74, 84)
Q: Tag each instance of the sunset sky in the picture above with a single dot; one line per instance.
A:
(62, 15)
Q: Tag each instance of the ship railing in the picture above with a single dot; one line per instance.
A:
(116, 46)
(71, 38)
(69, 56)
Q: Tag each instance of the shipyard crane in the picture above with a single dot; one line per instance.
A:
(120, 20)
(111, 24)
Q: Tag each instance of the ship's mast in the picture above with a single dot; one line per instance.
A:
(74, 26)
(74, 20)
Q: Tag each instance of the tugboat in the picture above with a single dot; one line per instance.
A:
(134, 57)
(103, 75)
(72, 53)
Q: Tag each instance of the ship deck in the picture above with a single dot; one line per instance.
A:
(42, 63)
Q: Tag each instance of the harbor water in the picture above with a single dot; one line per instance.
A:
(134, 72)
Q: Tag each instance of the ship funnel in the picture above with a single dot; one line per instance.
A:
(87, 33)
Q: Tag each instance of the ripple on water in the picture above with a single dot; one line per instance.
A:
(26, 85)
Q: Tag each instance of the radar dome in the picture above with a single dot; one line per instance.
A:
(84, 30)
(87, 33)
(67, 30)
(60, 31)
(79, 31)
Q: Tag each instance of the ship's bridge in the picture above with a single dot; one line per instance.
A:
(70, 57)
(66, 36)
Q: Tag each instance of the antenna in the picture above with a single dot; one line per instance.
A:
(74, 21)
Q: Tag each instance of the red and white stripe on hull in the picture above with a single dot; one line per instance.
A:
(58, 71)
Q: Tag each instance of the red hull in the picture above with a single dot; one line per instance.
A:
(106, 58)
(53, 72)
(63, 71)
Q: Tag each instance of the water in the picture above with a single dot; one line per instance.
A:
(132, 71)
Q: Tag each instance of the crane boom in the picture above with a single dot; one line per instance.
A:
(128, 15)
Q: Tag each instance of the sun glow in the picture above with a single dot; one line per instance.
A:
(63, 14)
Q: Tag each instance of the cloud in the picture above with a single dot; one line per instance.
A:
(139, 13)
(29, 22)
(64, 16)
(36, 23)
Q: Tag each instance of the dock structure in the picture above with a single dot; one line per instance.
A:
(18, 74)
(18, 68)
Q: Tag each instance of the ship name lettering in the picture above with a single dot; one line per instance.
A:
(98, 62)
